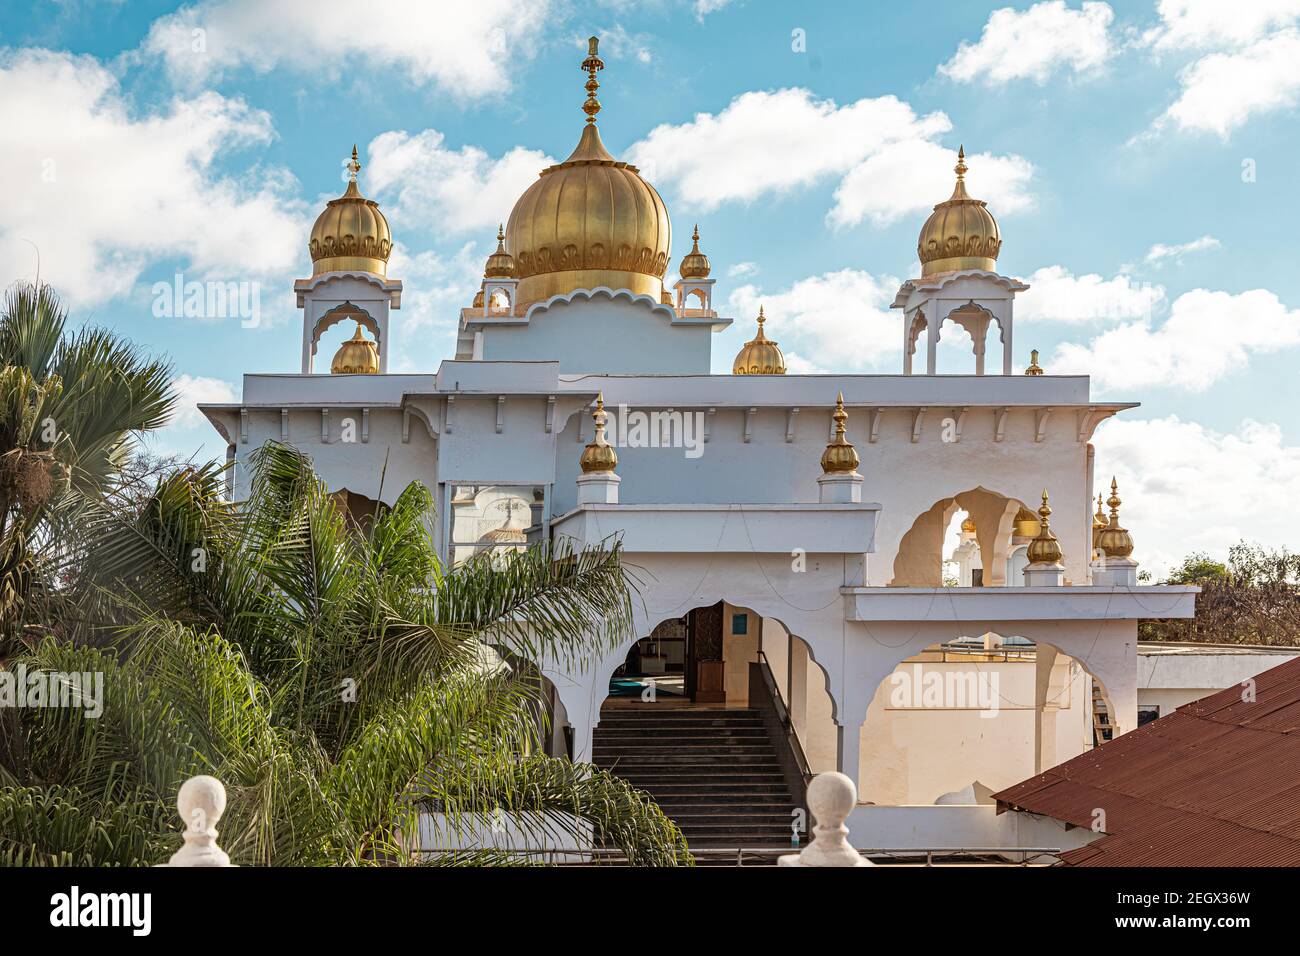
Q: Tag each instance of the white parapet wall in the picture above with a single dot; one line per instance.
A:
(978, 827)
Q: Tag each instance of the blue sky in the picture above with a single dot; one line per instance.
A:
(1139, 157)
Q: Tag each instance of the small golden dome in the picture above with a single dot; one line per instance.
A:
(500, 265)
(357, 356)
(960, 234)
(1114, 540)
(599, 455)
(351, 234)
(760, 355)
(478, 299)
(968, 526)
(695, 264)
(589, 221)
(1044, 549)
(1033, 368)
(840, 457)
(1026, 524)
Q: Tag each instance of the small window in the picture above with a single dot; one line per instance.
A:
(740, 623)
(1148, 713)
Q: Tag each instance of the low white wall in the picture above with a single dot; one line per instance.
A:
(955, 827)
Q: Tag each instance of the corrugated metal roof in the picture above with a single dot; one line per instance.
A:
(1216, 783)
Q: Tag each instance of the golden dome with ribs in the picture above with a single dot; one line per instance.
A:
(589, 221)
(961, 233)
(351, 234)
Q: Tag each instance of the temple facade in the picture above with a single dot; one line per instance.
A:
(918, 573)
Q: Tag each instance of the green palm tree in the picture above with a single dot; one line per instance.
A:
(342, 683)
(70, 404)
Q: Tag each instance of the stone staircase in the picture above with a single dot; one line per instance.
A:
(715, 772)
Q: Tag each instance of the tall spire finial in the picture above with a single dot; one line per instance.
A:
(840, 457)
(591, 64)
(695, 238)
(599, 455)
(354, 166)
(1045, 548)
(961, 167)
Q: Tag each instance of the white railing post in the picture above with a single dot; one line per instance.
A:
(831, 798)
(201, 802)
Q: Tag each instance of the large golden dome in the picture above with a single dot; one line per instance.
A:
(351, 234)
(589, 221)
(961, 233)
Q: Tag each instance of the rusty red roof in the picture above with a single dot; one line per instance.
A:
(1215, 783)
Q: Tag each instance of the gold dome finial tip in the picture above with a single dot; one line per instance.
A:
(591, 64)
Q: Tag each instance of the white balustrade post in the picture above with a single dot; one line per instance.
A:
(831, 797)
(201, 802)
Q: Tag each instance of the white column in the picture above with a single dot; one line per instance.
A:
(932, 345)
(1044, 719)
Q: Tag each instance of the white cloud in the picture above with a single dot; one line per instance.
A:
(103, 191)
(1200, 24)
(618, 43)
(437, 287)
(767, 142)
(1035, 43)
(1251, 67)
(704, 7)
(1223, 90)
(912, 176)
(742, 269)
(1159, 253)
(1207, 336)
(453, 190)
(468, 49)
(837, 320)
(193, 389)
(1057, 295)
(1172, 478)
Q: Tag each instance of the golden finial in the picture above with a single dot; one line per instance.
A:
(591, 64)
(1114, 539)
(840, 457)
(961, 168)
(599, 455)
(695, 264)
(354, 166)
(759, 338)
(1044, 549)
(501, 264)
(1033, 364)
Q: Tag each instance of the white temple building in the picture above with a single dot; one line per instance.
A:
(797, 610)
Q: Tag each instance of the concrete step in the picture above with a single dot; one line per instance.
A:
(702, 747)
